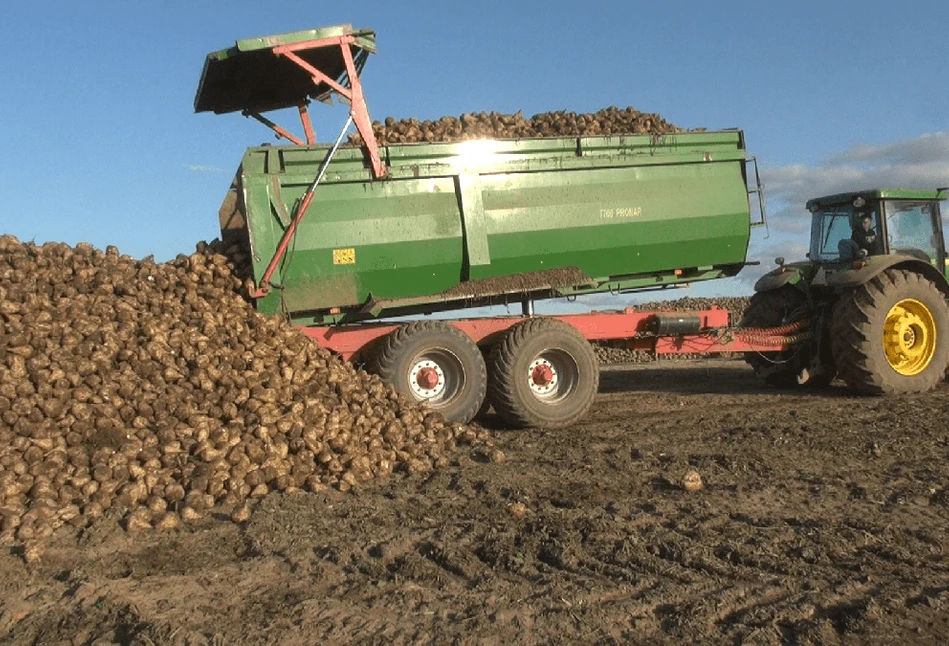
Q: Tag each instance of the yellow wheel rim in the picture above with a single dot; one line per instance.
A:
(909, 337)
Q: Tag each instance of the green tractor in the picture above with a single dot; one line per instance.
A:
(870, 301)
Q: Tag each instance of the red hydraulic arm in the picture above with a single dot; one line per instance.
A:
(358, 109)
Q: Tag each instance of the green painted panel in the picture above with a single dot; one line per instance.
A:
(618, 208)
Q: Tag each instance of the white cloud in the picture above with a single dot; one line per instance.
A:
(922, 162)
(927, 149)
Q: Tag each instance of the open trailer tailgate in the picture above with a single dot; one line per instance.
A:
(250, 77)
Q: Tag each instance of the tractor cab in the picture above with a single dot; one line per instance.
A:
(855, 227)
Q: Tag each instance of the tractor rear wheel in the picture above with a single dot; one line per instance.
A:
(543, 373)
(891, 334)
(436, 364)
(773, 309)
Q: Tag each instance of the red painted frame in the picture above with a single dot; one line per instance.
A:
(353, 94)
(357, 101)
(357, 109)
(281, 132)
(630, 325)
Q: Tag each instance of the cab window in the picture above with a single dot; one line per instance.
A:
(838, 232)
(910, 229)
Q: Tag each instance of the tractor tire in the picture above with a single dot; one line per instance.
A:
(436, 364)
(542, 374)
(772, 309)
(891, 335)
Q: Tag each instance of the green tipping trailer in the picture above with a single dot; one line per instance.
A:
(340, 237)
(454, 224)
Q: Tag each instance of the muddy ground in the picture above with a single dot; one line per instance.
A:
(824, 519)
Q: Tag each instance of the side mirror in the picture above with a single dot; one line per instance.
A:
(780, 261)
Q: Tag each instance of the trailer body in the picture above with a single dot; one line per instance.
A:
(342, 237)
(466, 223)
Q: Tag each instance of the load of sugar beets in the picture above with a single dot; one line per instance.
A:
(486, 125)
(156, 391)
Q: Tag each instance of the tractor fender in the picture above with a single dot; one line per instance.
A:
(876, 265)
(785, 275)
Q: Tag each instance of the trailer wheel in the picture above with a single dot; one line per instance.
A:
(436, 364)
(891, 335)
(772, 309)
(543, 373)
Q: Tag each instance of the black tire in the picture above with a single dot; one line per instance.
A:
(772, 309)
(445, 353)
(554, 351)
(867, 344)
(484, 410)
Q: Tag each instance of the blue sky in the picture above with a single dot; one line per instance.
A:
(102, 145)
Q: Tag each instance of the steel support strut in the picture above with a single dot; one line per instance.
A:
(263, 287)
(270, 124)
(358, 114)
(358, 110)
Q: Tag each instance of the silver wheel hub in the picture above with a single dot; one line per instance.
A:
(553, 375)
(543, 376)
(427, 379)
(436, 377)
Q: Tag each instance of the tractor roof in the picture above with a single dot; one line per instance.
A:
(878, 194)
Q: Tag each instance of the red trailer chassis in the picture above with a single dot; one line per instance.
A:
(708, 332)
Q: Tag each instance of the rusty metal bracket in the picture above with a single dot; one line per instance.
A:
(359, 110)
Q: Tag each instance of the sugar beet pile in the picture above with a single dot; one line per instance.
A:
(156, 389)
(483, 125)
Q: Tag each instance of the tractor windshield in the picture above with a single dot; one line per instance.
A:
(839, 232)
(911, 230)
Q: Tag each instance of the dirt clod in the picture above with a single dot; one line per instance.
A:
(241, 514)
(519, 510)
